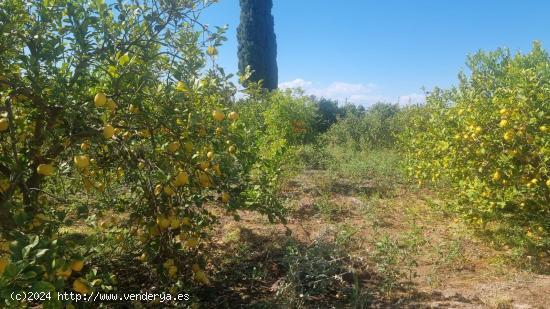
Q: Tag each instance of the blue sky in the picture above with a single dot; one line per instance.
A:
(385, 50)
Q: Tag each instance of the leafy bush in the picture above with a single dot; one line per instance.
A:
(314, 156)
(328, 113)
(279, 120)
(490, 138)
(110, 118)
(373, 129)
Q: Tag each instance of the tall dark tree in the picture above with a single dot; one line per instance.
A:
(257, 42)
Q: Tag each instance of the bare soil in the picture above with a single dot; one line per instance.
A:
(447, 267)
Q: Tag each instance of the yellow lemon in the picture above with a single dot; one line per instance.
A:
(212, 51)
(548, 183)
(80, 286)
(85, 146)
(226, 197)
(172, 271)
(186, 221)
(543, 129)
(192, 243)
(110, 104)
(216, 168)
(174, 222)
(163, 222)
(82, 161)
(496, 176)
(4, 124)
(508, 136)
(233, 116)
(210, 155)
(503, 123)
(204, 165)
(232, 149)
(200, 276)
(169, 191)
(45, 169)
(173, 146)
(218, 115)
(181, 179)
(77, 265)
(4, 185)
(204, 180)
(100, 99)
(108, 131)
(158, 189)
(65, 272)
(4, 261)
(188, 146)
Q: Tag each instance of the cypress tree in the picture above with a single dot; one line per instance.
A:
(257, 42)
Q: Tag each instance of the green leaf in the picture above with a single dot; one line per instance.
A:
(124, 59)
(40, 253)
(28, 275)
(11, 271)
(42, 286)
(27, 249)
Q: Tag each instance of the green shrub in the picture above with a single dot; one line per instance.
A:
(372, 129)
(490, 139)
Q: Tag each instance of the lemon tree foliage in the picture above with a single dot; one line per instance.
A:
(490, 138)
(108, 110)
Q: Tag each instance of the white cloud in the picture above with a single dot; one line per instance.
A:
(412, 98)
(297, 83)
(361, 94)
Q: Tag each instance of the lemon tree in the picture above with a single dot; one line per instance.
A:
(109, 115)
(489, 138)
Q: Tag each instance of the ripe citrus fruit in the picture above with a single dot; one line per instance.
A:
(100, 99)
(82, 161)
(108, 131)
(45, 169)
(77, 265)
(81, 287)
(226, 197)
(163, 222)
(173, 146)
(4, 261)
(218, 115)
(212, 51)
(4, 124)
(233, 116)
(181, 179)
(110, 104)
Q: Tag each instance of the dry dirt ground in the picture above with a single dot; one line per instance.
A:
(383, 245)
